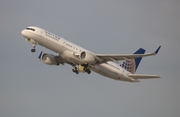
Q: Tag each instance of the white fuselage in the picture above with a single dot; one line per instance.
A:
(66, 49)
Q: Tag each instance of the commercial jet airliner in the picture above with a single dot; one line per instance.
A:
(83, 60)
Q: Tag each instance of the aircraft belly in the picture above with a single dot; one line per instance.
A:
(110, 72)
(106, 71)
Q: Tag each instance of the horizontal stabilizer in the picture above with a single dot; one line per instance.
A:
(143, 76)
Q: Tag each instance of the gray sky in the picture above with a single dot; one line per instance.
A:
(29, 88)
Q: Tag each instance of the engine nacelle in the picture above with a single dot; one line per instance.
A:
(49, 59)
(87, 57)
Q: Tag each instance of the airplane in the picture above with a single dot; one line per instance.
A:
(83, 60)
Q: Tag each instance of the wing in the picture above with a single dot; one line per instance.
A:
(117, 57)
(60, 60)
(142, 76)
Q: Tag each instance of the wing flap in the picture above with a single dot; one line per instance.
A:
(143, 76)
(109, 57)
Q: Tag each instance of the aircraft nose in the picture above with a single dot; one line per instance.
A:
(23, 32)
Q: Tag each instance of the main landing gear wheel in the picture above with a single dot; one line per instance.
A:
(86, 69)
(75, 70)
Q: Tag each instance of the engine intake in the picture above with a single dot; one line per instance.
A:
(49, 59)
(87, 57)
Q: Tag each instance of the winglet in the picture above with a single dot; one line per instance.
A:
(157, 50)
(39, 57)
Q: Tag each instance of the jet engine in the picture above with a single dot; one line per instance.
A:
(49, 59)
(87, 57)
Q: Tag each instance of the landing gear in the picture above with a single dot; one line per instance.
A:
(33, 50)
(34, 46)
(75, 70)
(80, 68)
(86, 69)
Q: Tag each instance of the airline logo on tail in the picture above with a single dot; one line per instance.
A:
(129, 65)
(132, 64)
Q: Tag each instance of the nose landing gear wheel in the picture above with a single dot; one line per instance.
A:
(33, 47)
(33, 50)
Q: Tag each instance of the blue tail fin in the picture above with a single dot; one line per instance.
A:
(132, 64)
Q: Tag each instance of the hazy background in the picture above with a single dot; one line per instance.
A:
(29, 88)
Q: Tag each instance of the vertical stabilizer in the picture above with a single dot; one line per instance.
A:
(132, 64)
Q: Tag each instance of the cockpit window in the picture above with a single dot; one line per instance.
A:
(30, 29)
